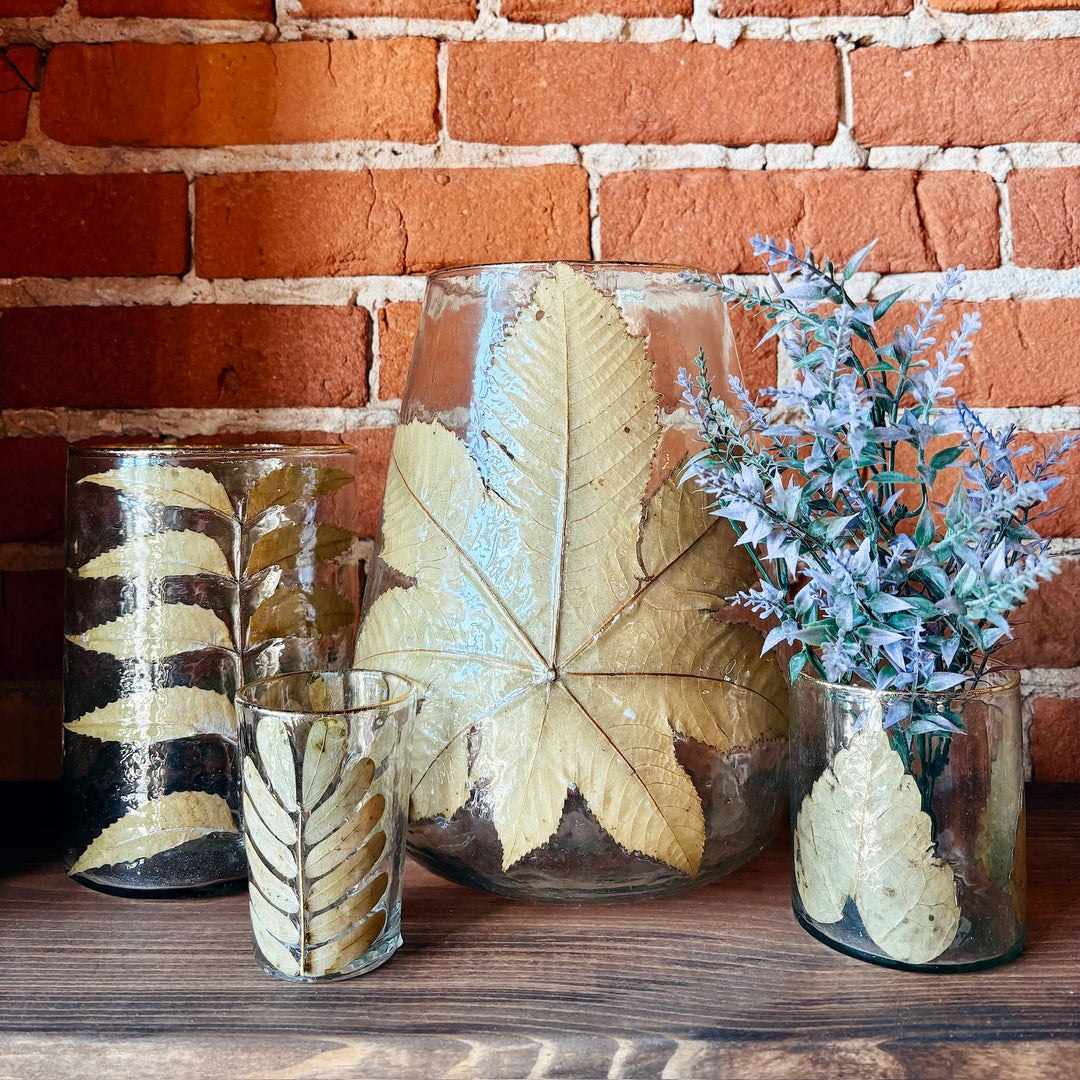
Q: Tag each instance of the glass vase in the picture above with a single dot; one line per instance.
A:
(909, 849)
(594, 728)
(189, 572)
(326, 795)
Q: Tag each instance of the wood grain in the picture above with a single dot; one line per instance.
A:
(717, 982)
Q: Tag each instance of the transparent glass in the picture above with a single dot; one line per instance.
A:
(189, 572)
(532, 386)
(917, 865)
(326, 795)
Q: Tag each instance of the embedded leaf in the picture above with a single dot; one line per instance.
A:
(556, 615)
(292, 482)
(343, 803)
(275, 752)
(301, 613)
(159, 555)
(315, 861)
(156, 826)
(175, 712)
(157, 633)
(996, 845)
(335, 883)
(862, 833)
(168, 485)
(282, 547)
(336, 954)
(323, 754)
(273, 814)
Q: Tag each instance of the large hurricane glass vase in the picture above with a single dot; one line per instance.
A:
(595, 727)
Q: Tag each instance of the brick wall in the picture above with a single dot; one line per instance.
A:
(215, 216)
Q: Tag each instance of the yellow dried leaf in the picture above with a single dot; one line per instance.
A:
(324, 752)
(285, 546)
(554, 615)
(862, 833)
(156, 633)
(292, 482)
(301, 613)
(156, 826)
(159, 555)
(168, 485)
(175, 712)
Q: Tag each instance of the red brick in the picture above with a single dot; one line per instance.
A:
(28, 9)
(457, 10)
(552, 11)
(1043, 634)
(1024, 354)
(1045, 209)
(1012, 91)
(1065, 498)
(257, 10)
(19, 70)
(1055, 740)
(989, 7)
(64, 226)
(138, 94)
(703, 217)
(398, 324)
(31, 624)
(32, 487)
(281, 224)
(31, 720)
(201, 356)
(1008, 365)
(372, 461)
(528, 93)
(798, 9)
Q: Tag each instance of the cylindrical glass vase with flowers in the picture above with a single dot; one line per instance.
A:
(892, 533)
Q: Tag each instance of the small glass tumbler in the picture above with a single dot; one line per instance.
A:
(326, 771)
(190, 571)
(909, 846)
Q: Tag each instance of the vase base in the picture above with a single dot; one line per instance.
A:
(162, 892)
(932, 968)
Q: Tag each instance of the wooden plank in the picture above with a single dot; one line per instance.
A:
(719, 981)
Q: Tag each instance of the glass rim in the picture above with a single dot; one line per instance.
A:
(1011, 681)
(243, 697)
(544, 264)
(215, 450)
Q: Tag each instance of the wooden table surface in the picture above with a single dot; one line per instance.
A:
(717, 982)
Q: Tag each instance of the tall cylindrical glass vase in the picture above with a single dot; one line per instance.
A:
(189, 572)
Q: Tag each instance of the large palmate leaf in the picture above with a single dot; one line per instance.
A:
(174, 712)
(158, 555)
(169, 485)
(156, 826)
(862, 833)
(563, 628)
(156, 633)
(313, 844)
